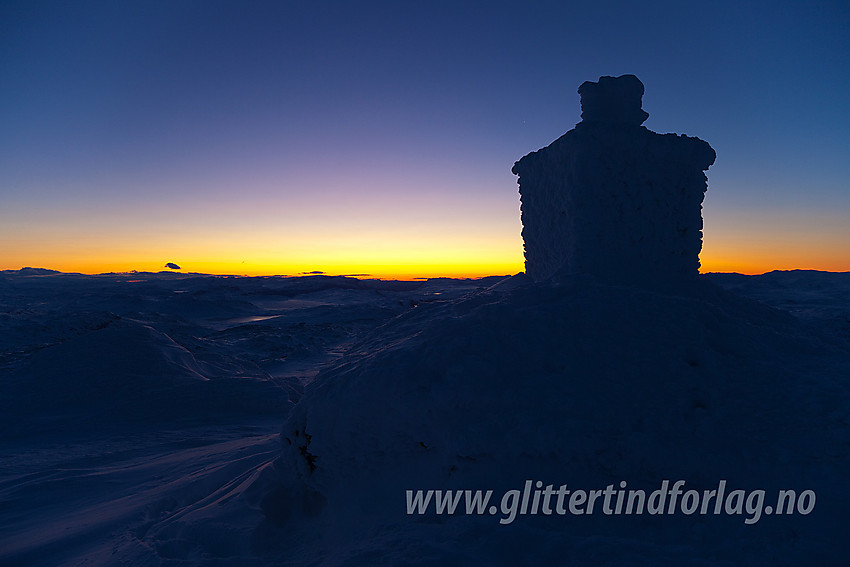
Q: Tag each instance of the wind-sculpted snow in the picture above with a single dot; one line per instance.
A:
(580, 383)
(138, 410)
(78, 352)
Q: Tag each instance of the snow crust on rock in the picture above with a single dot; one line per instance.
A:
(611, 198)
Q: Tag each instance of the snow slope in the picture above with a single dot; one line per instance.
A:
(580, 383)
(153, 439)
(127, 400)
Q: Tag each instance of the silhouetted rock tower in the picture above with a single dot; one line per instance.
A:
(612, 199)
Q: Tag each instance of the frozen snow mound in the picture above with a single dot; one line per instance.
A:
(571, 382)
(611, 198)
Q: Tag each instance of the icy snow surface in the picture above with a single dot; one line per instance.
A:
(142, 413)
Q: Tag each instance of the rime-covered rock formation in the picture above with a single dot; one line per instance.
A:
(611, 198)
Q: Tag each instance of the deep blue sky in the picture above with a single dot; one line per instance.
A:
(285, 132)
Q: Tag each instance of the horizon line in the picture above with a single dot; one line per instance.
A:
(358, 276)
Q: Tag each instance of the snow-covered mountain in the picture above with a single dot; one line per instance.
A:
(171, 419)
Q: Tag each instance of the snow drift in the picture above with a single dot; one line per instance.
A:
(574, 382)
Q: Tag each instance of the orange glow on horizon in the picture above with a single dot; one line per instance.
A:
(760, 265)
(419, 252)
(400, 264)
(761, 242)
(384, 272)
(742, 264)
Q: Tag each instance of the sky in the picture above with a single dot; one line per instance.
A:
(378, 137)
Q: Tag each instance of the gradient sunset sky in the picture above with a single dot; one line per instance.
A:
(378, 137)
